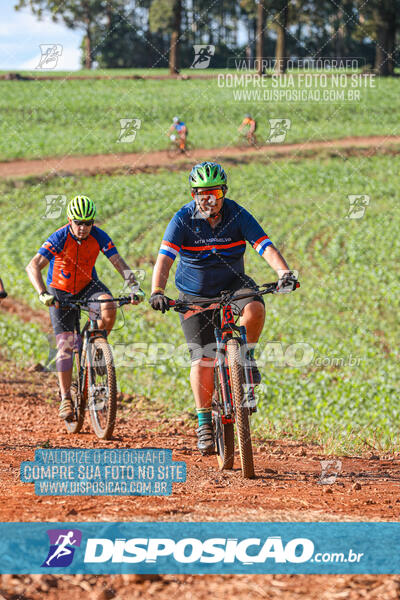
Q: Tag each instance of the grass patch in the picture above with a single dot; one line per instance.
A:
(57, 118)
(343, 319)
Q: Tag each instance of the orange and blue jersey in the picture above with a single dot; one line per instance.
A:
(211, 259)
(71, 260)
(179, 126)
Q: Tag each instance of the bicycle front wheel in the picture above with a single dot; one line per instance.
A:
(78, 395)
(242, 412)
(102, 389)
(224, 434)
(173, 151)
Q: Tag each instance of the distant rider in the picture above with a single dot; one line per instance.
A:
(250, 123)
(178, 128)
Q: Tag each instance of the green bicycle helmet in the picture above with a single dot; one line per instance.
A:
(81, 208)
(207, 174)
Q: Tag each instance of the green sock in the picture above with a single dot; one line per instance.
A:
(251, 353)
(204, 415)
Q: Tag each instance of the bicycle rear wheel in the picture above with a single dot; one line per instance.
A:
(79, 396)
(102, 389)
(242, 412)
(224, 434)
(189, 149)
(253, 141)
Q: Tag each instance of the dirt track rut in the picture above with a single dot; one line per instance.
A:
(137, 162)
(286, 488)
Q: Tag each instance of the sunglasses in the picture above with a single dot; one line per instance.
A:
(202, 195)
(87, 223)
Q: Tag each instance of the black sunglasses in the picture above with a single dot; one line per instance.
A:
(87, 223)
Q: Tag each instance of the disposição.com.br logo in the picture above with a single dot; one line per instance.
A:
(63, 543)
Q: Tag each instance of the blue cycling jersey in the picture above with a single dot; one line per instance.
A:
(211, 259)
(179, 126)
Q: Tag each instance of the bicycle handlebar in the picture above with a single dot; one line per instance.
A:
(82, 303)
(227, 297)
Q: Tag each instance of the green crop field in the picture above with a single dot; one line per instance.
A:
(46, 118)
(340, 386)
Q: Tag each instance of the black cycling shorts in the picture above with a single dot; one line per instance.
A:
(64, 319)
(199, 328)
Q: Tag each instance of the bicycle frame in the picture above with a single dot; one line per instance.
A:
(88, 334)
(222, 334)
(233, 400)
(247, 139)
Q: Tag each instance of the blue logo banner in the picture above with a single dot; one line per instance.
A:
(200, 548)
(103, 472)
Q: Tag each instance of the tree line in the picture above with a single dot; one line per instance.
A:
(162, 33)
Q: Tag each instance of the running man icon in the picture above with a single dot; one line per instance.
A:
(50, 53)
(61, 551)
(203, 55)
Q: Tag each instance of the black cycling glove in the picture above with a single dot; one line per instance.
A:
(287, 283)
(159, 302)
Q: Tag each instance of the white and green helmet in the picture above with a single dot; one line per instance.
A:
(207, 174)
(81, 208)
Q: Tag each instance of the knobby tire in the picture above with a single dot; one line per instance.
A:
(242, 412)
(79, 397)
(224, 433)
(103, 430)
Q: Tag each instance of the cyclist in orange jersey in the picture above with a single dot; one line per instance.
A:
(71, 253)
(249, 122)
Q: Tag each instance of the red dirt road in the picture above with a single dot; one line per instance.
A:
(138, 162)
(286, 488)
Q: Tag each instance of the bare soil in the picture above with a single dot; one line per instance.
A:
(141, 162)
(286, 488)
(25, 312)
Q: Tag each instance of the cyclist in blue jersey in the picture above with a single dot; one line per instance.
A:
(210, 234)
(179, 128)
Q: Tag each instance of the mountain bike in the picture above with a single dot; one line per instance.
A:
(94, 383)
(247, 140)
(175, 151)
(234, 399)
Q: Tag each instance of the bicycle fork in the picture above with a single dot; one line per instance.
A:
(249, 396)
(90, 335)
(249, 399)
